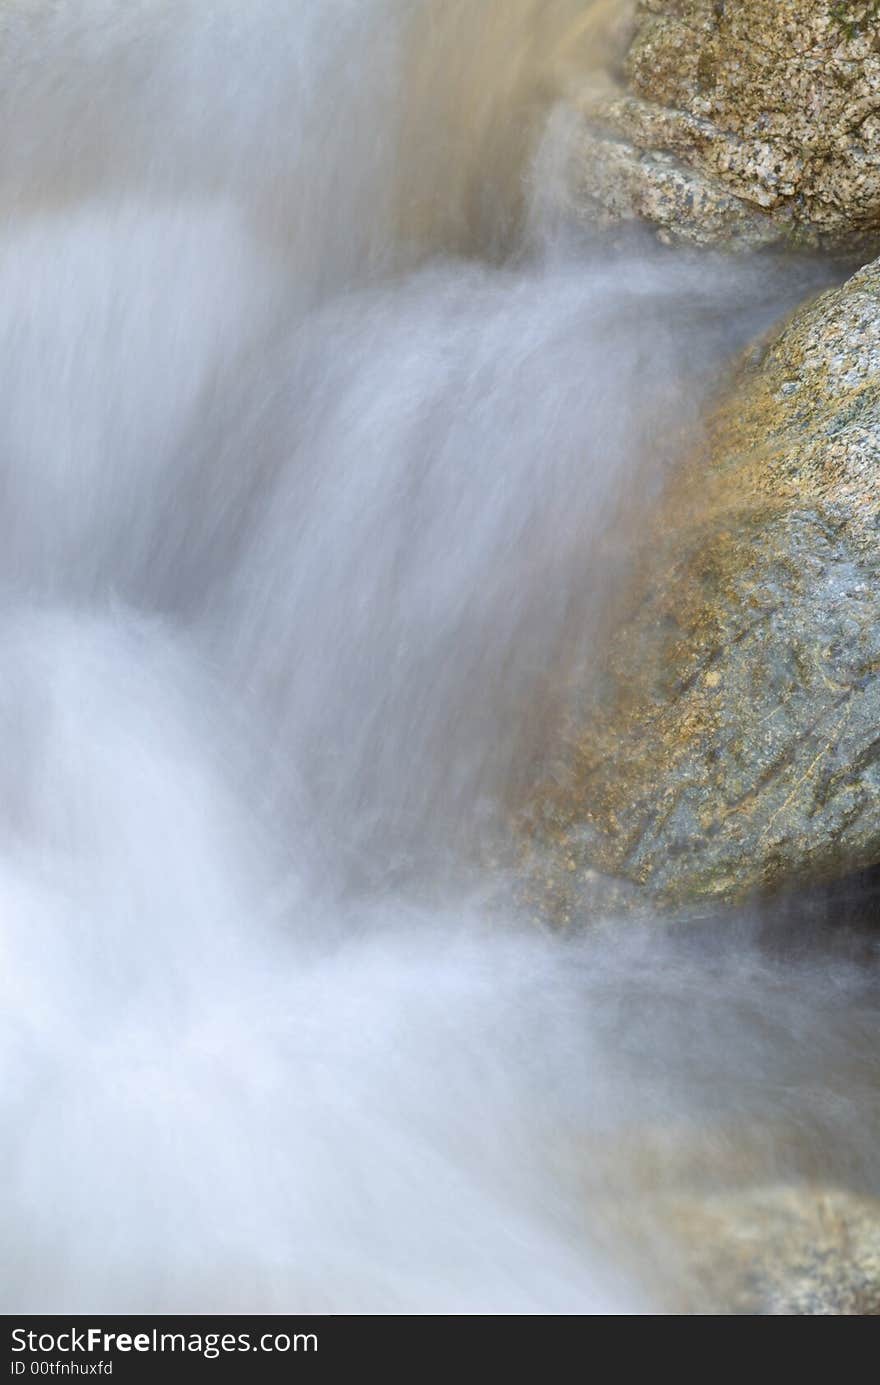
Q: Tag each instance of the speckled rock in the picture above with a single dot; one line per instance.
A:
(731, 742)
(776, 1251)
(705, 1226)
(740, 123)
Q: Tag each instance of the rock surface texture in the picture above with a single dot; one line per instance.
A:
(740, 123)
(780, 1251)
(732, 745)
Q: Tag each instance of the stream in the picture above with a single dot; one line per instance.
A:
(327, 431)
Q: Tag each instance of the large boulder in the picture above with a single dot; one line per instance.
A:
(729, 741)
(740, 122)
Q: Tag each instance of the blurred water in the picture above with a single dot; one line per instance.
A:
(323, 447)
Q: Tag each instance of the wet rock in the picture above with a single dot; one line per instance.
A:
(777, 1250)
(729, 742)
(740, 123)
(707, 1227)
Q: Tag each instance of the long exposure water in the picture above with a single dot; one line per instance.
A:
(323, 443)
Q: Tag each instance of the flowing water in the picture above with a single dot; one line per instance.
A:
(324, 440)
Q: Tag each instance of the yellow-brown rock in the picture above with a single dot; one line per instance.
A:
(742, 123)
(732, 744)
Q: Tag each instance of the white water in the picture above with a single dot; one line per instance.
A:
(317, 471)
